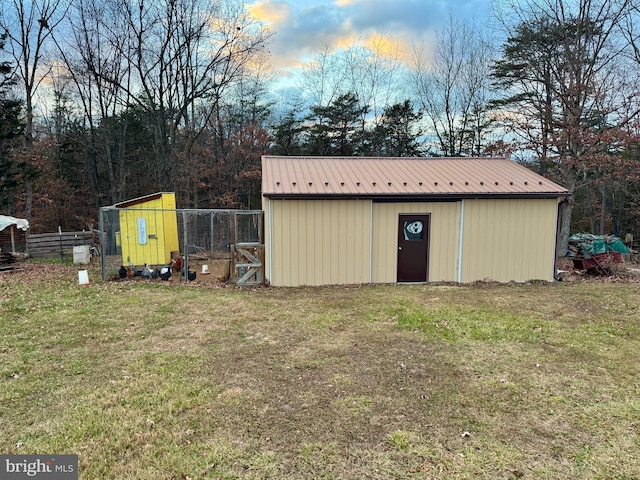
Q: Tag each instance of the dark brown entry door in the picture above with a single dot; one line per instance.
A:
(413, 248)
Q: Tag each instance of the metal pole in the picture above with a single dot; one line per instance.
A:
(185, 264)
(102, 244)
(61, 252)
(211, 216)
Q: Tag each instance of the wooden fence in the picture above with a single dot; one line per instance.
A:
(48, 245)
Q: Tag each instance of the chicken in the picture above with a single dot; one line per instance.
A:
(177, 264)
(165, 273)
(130, 273)
(146, 272)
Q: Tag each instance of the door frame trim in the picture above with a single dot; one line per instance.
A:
(428, 245)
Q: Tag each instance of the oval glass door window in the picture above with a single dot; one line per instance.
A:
(142, 231)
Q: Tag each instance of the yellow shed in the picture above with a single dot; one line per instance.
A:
(148, 229)
(351, 220)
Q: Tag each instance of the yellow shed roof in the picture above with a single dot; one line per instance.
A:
(401, 177)
(141, 200)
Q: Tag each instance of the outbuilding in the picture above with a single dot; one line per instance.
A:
(148, 229)
(356, 220)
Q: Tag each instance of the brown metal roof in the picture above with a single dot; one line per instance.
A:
(401, 177)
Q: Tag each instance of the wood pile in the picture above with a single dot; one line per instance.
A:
(8, 260)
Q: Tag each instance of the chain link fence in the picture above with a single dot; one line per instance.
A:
(195, 242)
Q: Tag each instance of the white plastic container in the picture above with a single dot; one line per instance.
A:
(83, 277)
(81, 255)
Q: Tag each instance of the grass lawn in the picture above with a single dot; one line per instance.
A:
(146, 380)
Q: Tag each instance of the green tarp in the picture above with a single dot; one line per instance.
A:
(595, 244)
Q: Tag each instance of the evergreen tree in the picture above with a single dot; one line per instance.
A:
(397, 133)
(288, 135)
(336, 129)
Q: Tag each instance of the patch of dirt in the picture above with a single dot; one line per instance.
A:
(36, 272)
(349, 387)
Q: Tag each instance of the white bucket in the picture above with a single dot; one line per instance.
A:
(83, 277)
(205, 270)
(81, 255)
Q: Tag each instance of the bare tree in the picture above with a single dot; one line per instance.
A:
(92, 63)
(373, 75)
(631, 30)
(29, 25)
(451, 85)
(179, 55)
(561, 81)
(367, 72)
(324, 77)
(11, 128)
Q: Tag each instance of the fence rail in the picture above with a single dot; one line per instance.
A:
(48, 245)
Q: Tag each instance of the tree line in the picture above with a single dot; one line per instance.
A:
(102, 102)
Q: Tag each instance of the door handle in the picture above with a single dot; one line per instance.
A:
(399, 248)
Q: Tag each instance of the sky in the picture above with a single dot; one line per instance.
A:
(302, 27)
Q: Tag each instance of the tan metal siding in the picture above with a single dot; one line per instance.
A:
(443, 239)
(318, 242)
(509, 240)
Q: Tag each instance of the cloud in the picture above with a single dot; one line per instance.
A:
(270, 12)
(304, 28)
(405, 15)
(300, 30)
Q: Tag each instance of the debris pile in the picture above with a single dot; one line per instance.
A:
(589, 244)
(8, 260)
(595, 252)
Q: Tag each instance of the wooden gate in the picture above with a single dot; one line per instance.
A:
(248, 259)
(248, 256)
